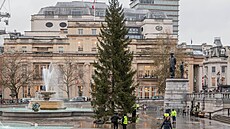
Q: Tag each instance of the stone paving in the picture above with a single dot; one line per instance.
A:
(148, 120)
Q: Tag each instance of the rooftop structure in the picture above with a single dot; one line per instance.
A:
(169, 7)
(52, 19)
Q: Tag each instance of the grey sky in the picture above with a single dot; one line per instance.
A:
(200, 20)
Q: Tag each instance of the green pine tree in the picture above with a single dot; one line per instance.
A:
(114, 78)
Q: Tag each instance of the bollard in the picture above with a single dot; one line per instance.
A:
(210, 115)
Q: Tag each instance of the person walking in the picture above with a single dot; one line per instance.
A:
(114, 120)
(174, 114)
(167, 123)
(124, 121)
(167, 113)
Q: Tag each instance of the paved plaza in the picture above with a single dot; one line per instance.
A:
(147, 121)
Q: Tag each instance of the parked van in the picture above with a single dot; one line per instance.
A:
(79, 99)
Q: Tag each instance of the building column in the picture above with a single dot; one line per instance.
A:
(150, 92)
(191, 77)
(86, 87)
(143, 92)
(199, 77)
(209, 76)
(228, 73)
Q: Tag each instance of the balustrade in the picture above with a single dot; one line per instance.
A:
(211, 95)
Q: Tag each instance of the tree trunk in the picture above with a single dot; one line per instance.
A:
(16, 96)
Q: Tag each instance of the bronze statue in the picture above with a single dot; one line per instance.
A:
(182, 69)
(172, 65)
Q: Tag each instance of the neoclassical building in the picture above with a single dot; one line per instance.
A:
(70, 29)
(210, 68)
(216, 68)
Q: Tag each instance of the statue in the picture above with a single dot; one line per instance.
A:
(172, 65)
(182, 69)
(36, 107)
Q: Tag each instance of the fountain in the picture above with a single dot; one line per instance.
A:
(50, 105)
(50, 77)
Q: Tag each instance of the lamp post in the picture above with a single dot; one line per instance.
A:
(205, 82)
(218, 80)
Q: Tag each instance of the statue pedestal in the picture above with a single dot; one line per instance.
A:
(175, 93)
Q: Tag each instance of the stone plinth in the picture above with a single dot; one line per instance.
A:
(48, 105)
(175, 93)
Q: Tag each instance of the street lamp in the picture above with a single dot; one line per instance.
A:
(205, 82)
(218, 80)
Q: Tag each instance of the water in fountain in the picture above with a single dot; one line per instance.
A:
(1, 123)
(51, 79)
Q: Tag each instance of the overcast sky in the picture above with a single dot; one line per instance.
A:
(200, 20)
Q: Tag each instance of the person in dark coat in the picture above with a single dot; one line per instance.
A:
(114, 120)
(167, 123)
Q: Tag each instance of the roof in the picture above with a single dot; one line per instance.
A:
(79, 8)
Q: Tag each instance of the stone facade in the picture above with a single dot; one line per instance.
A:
(175, 93)
(216, 69)
(57, 34)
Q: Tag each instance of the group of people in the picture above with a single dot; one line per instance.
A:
(167, 124)
(186, 111)
(115, 120)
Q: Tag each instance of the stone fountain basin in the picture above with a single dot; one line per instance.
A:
(29, 113)
(29, 125)
(48, 105)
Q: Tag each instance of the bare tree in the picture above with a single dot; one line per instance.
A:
(160, 54)
(15, 73)
(70, 73)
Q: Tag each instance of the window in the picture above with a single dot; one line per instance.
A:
(36, 70)
(80, 31)
(133, 31)
(222, 52)
(213, 69)
(154, 91)
(80, 46)
(147, 92)
(24, 70)
(140, 73)
(60, 49)
(147, 71)
(62, 24)
(76, 12)
(223, 81)
(24, 49)
(223, 69)
(49, 13)
(140, 92)
(49, 24)
(94, 31)
(147, 1)
(12, 49)
(213, 81)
